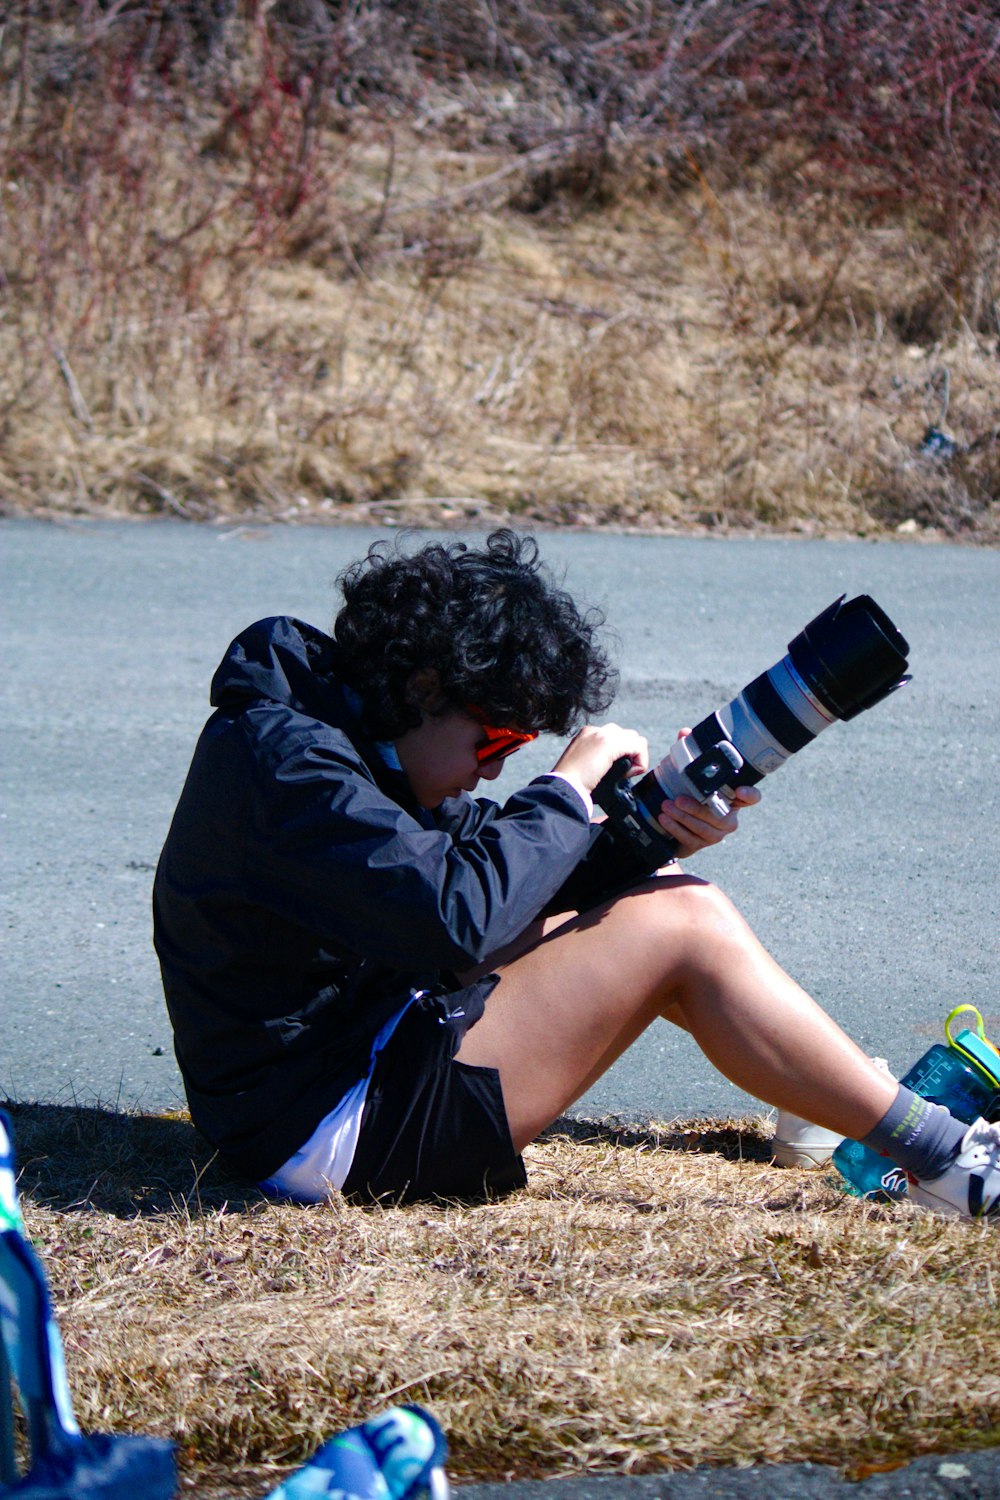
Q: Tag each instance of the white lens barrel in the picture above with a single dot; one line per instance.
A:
(798, 699)
(758, 743)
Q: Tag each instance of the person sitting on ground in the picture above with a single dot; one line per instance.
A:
(382, 985)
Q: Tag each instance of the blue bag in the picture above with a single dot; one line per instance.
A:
(64, 1465)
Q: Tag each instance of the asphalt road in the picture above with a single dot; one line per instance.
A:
(939, 1476)
(870, 869)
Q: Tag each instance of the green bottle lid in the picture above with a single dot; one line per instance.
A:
(973, 1045)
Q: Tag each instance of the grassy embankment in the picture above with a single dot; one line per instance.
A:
(693, 269)
(654, 1299)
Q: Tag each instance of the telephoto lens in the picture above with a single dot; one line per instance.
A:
(845, 660)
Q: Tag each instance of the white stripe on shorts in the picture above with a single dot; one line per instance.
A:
(320, 1167)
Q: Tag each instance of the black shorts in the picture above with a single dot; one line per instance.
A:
(433, 1127)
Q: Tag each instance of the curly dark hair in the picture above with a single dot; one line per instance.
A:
(491, 623)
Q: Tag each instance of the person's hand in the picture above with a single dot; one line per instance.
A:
(591, 753)
(695, 825)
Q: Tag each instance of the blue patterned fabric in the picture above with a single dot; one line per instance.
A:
(397, 1456)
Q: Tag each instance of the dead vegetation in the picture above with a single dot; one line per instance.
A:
(657, 1298)
(706, 267)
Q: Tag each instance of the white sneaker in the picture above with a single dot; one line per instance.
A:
(800, 1143)
(970, 1187)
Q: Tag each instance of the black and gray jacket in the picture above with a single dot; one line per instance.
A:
(301, 894)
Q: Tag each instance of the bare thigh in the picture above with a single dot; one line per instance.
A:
(566, 1008)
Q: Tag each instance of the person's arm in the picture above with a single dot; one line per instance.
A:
(328, 848)
(604, 871)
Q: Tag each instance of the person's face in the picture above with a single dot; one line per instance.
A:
(441, 756)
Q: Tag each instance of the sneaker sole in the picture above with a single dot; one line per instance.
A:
(789, 1154)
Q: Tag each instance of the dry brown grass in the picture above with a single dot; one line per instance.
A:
(656, 1299)
(461, 306)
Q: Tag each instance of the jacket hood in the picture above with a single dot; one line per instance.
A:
(281, 660)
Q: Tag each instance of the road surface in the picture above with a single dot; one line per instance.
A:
(870, 870)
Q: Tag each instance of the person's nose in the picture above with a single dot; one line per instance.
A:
(491, 770)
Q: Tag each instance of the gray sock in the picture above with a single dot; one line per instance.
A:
(921, 1138)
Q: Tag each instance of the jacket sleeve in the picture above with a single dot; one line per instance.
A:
(325, 846)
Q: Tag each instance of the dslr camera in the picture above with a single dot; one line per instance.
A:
(845, 660)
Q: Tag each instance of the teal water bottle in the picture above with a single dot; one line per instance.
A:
(964, 1076)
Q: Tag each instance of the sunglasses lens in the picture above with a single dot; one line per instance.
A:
(498, 743)
(501, 743)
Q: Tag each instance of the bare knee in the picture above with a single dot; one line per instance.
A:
(711, 913)
(696, 923)
(688, 898)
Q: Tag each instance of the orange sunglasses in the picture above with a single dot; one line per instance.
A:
(499, 743)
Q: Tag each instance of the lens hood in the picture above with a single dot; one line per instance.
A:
(850, 656)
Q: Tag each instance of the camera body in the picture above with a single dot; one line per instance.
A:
(848, 658)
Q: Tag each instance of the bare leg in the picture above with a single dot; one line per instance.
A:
(569, 1006)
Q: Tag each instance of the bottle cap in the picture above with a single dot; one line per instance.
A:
(974, 1046)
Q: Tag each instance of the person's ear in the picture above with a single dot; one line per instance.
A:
(423, 690)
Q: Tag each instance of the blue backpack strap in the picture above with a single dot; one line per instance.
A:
(8, 1467)
(27, 1324)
